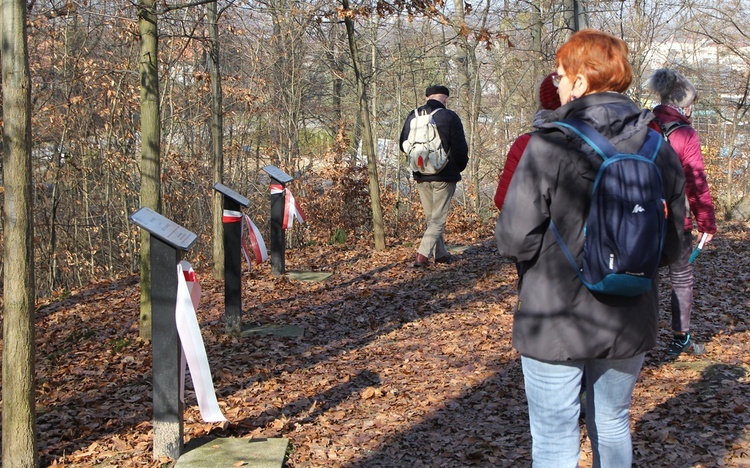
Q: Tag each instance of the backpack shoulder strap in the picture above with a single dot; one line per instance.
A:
(670, 127)
(602, 145)
(651, 146)
(412, 137)
(564, 247)
(593, 138)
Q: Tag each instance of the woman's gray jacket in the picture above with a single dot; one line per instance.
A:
(556, 317)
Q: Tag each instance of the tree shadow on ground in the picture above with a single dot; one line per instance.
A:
(87, 295)
(700, 425)
(306, 410)
(485, 426)
(345, 315)
(86, 405)
(374, 315)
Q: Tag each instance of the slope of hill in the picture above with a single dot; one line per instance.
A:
(397, 366)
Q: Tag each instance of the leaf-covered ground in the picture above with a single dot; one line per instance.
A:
(397, 366)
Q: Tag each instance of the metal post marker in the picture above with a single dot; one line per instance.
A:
(167, 241)
(278, 239)
(232, 258)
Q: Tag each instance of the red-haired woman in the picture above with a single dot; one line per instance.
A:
(561, 329)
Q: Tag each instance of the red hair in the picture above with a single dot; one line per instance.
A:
(602, 58)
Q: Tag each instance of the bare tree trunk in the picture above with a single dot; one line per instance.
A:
(577, 17)
(19, 418)
(337, 72)
(288, 48)
(469, 97)
(537, 28)
(51, 244)
(731, 142)
(150, 147)
(217, 140)
(368, 145)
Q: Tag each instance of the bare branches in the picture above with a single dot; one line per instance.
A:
(167, 8)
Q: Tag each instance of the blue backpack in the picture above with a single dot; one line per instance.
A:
(626, 224)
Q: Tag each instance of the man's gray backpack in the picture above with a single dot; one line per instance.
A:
(424, 147)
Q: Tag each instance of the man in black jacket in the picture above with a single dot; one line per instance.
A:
(436, 190)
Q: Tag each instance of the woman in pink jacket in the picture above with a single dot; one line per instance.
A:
(677, 96)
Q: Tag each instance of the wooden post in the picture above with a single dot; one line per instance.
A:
(232, 256)
(278, 238)
(166, 351)
(167, 240)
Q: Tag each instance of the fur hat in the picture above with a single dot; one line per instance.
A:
(436, 89)
(548, 97)
(672, 87)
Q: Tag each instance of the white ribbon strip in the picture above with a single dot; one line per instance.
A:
(193, 350)
(291, 207)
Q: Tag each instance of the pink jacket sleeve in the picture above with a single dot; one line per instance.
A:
(511, 162)
(687, 145)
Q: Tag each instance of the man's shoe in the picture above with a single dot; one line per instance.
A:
(686, 345)
(446, 259)
(421, 261)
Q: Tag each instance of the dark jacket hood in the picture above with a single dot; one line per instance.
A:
(614, 115)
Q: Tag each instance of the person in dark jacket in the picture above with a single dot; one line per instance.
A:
(436, 190)
(560, 328)
(677, 95)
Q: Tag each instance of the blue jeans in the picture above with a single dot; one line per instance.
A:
(552, 392)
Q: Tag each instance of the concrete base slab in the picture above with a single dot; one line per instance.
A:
(308, 275)
(233, 452)
(286, 331)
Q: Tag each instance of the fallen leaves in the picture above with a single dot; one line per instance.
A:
(397, 367)
(370, 392)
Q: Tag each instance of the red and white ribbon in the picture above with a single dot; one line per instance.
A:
(291, 207)
(251, 239)
(193, 349)
(231, 216)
